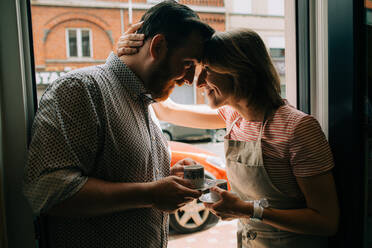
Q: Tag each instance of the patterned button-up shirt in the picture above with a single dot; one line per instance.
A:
(95, 122)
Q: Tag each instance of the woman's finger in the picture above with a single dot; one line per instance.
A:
(126, 51)
(133, 37)
(132, 29)
(129, 43)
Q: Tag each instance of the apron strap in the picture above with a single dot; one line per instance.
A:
(263, 124)
(231, 126)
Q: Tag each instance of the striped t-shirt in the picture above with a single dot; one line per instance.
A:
(293, 145)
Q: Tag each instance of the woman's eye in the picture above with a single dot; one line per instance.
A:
(207, 69)
(188, 64)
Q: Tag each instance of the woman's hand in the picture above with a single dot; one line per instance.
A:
(230, 206)
(129, 43)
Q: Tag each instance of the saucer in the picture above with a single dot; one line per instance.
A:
(208, 198)
(208, 183)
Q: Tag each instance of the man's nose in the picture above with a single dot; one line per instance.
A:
(201, 78)
(189, 75)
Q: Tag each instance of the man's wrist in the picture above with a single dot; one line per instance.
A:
(150, 193)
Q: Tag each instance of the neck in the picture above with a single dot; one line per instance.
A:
(134, 65)
(247, 112)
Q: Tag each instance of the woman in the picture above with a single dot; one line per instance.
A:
(273, 151)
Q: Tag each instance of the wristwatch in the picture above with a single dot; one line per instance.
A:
(258, 208)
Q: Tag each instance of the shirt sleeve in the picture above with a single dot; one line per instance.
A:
(228, 114)
(64, 144)
(309, 150)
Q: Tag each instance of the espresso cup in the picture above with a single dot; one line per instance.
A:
(194, 173)
(222, 184)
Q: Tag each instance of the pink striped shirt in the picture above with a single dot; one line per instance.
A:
(293, 145)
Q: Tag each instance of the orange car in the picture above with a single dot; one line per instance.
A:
(194, 216)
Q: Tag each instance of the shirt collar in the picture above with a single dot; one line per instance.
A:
(127, 77)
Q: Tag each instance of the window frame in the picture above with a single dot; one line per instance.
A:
(79, 43)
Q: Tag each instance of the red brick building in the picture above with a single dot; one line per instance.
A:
(73, 34)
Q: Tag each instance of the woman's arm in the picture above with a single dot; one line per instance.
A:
(321, 216)
(195, 116)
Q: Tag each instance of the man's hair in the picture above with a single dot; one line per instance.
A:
(175, 21)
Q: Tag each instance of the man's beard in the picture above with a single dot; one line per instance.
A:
(161, 84)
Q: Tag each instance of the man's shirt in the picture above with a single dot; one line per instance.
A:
(95, 122)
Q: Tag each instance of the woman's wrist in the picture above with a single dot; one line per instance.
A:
(246, 208)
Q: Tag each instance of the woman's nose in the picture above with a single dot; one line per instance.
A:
(201, 78)
(189, 75)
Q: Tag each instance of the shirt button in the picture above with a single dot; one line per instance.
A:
(153, 138)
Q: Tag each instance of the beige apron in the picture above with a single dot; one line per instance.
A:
(249, 179)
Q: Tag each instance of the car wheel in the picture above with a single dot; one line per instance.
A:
(192, 217)
(167, 135)
(219, 135)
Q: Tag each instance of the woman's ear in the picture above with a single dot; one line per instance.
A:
(158, 47)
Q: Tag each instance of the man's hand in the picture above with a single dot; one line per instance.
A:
(129, 43)
(178, 168)
(171, 193)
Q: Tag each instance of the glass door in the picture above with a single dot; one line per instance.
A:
(368, 117)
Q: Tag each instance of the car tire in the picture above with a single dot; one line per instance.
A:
(167, 135)
(219, 135)
(192, 217)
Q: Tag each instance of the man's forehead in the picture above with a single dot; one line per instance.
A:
(193, 46)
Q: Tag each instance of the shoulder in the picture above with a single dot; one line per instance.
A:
(80, 80)
(292, 117)
(228, 113)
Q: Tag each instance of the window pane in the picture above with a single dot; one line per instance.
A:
(277, 52)
(276, 7)
(72, 43)
(242, 6)
(85, 37)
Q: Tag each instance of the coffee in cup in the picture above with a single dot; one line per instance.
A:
(195, 173)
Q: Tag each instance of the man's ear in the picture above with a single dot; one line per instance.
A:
(158, 47)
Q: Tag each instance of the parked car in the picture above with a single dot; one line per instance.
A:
(194, 216)
(174, 132)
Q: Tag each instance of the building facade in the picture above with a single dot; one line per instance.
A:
(73, 34)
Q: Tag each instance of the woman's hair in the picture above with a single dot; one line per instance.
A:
(242, 54)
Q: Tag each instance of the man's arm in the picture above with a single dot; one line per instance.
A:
(98, 197)
(64, 145)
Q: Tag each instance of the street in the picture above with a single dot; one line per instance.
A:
(221, 235)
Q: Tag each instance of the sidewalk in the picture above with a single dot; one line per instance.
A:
(222, 235)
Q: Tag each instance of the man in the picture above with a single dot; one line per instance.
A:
(98, 167)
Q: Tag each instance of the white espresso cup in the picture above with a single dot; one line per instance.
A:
(222, 184)
(194, 173)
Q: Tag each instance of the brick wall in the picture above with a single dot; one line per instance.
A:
(49, 25)
(219, 3)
